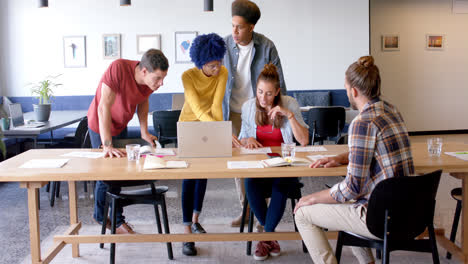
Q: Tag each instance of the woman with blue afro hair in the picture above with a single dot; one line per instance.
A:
(204, 87)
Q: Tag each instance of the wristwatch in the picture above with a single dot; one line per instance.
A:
(107, 143)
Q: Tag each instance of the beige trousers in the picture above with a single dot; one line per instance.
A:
(335, 217)
(236, 127)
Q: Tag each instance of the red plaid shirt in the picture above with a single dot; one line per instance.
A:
(379, 148)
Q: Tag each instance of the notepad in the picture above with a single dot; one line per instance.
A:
(245, 151)
(314, 158)
(278, 162)
(251, 164)
(145, 150)
(153, 162)
(44, 163)
(461, 155)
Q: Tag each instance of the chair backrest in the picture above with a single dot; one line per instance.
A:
(326, 122)
(312, 98)
(80, 133)
(165, 124)
(409, 203)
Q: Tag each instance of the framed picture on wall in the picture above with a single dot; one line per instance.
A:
(183, 42)
(390, 42)
(435, 41)
(111, 46)
(74, 51)
(146, 42)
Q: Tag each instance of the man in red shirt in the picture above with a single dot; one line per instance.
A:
(124, 88)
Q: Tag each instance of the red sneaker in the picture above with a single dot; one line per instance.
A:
(261, 251)
(275, 249)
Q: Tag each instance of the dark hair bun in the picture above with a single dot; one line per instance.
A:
(366, 61)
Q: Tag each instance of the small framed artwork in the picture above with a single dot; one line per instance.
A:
(74, 51)
(111, 46)
(183, 42)
(146, 42)
(435, 42)
(390, 42)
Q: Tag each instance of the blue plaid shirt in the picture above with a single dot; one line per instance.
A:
(379, 148)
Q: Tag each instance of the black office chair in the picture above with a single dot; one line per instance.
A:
(78, 139)
(152, 195)
(457, 195)
(293, 195)
(325, 123)
(399, 210)
(165, 126)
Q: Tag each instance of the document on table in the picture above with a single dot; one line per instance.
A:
(266, 150)
(314, 158)
(461, 154)
(44, 163)
(310, 149)
(84, 154)
(251, 164)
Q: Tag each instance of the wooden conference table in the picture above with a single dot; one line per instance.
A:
(82, 169)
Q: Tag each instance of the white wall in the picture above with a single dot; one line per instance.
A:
(429, 87)
(316, 39)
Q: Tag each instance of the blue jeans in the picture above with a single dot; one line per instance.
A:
(193, 193)
(102, 188)
(257, 189)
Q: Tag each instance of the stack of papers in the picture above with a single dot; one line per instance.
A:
(153, 162)
(245, 151)
(157, 151)
(314, 158)
(84, 154)
(461, 155)
(255, 164)
(44, 163)
(310, 149)
(278, 162)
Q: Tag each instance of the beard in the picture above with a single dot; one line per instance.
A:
(352, 103)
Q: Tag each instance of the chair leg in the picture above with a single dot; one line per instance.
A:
(339, 247)
(170, 255)
(244, 212)
(53, 186)
(104, 220)
(57, 190)
(85, 186)
(456, 219)
(249, 243)
(113, 228)
(378, 253)
(432, 239)
(158, 219)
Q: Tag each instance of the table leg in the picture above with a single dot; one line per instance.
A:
(73, 214)
(33, 211)
(464, 225)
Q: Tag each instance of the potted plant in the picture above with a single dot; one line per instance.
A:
(43, 92)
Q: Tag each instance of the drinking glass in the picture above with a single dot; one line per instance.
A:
(288, 150)
(434, 147)
(133, 152)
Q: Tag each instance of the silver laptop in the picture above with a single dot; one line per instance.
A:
(204, 139)
(17, 119)
(178, 101)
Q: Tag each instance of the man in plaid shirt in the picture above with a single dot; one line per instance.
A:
(379, 148)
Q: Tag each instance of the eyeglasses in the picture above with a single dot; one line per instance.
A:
(214, 66)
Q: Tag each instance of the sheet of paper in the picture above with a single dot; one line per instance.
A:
(164, 151)
(84, 154)
(266, 150)
(463, 155)
(310, 149)
(252, 164)
(44, 163)
(317, 157)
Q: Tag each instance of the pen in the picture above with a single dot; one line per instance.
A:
(465, 152)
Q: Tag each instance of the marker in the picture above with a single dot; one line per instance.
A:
(466, 152)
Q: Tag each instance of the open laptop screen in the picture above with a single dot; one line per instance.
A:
(16, 115)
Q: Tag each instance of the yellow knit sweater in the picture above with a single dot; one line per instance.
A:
(203, 95)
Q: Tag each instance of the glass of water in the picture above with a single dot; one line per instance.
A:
(288, 150)
(434, 147)
(133, 152)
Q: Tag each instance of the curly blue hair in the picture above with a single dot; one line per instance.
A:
(206, 48)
